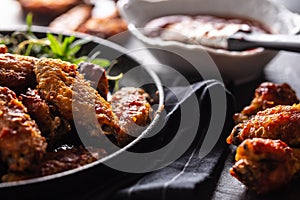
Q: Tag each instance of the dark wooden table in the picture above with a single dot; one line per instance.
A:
(283, 68)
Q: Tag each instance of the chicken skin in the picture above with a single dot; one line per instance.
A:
(264, 164)
(16, 72)
(280, 122)
(61, 85)
(21, 143)
(267, 95)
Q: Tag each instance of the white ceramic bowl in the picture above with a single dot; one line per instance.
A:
(235, 66)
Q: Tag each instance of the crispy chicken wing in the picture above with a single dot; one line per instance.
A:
(21, 143)
(16, 71)
(280, 122)
(51, 125)
(267, 95)
(132, 107)
(61, 85)
(265, 164)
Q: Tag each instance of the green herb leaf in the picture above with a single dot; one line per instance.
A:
(101, 62)
(66, 44)
(79, 42)
(80, 59)
(28, 50)
(29, 22)
(54, 44)
(73, 51)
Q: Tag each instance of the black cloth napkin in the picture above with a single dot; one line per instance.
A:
(192, 176)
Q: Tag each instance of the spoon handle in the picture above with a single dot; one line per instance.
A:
(241, 41)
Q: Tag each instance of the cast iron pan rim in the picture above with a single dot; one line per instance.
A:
(122, 50)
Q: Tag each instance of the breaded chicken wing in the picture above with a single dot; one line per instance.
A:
(61, 85)
(264, 164)
(51, 125)
(21, 143)
(280, 122)
(16, 71)
(267, 95)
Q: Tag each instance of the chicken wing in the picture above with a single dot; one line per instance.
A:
(16, 71)
(61, 85)
(267, 95)
(264, 164)
(51, 125)
(21, 143)
(280, 122)
(132, 107)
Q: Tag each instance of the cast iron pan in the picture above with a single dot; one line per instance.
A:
(80, 181)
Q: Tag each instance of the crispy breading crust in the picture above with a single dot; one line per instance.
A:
(60, 84)
(16, 71)
(21, 143)
(52, 127)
